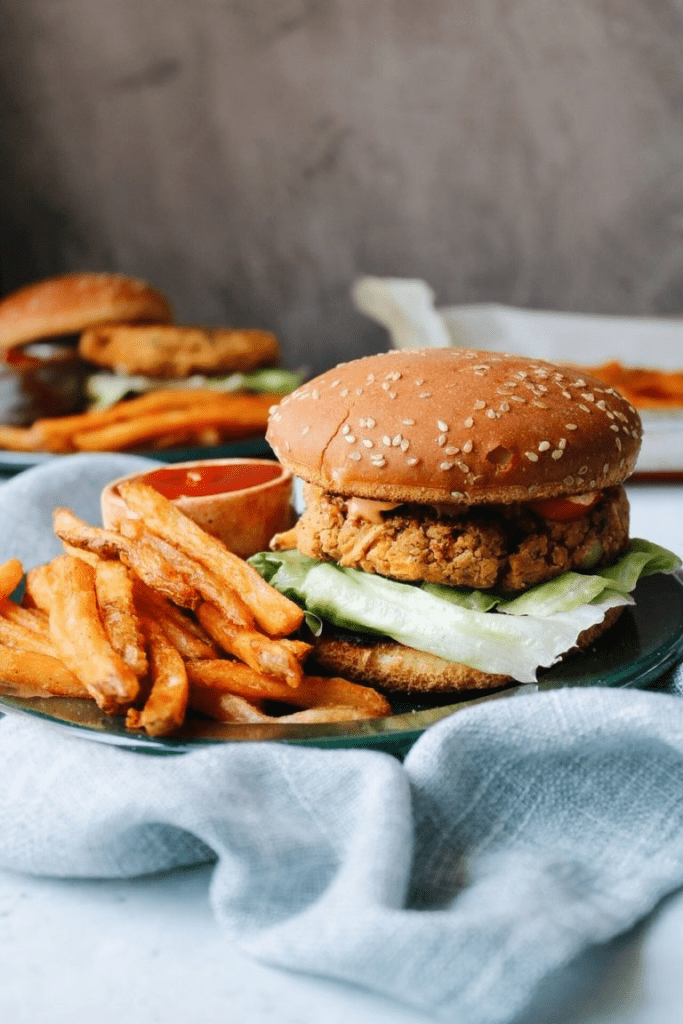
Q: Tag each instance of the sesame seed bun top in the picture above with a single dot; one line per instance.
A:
(455, 426)
(70, 303)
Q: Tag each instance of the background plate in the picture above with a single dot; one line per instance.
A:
(645, 643)
(252, 448)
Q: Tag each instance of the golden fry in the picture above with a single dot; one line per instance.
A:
(197, 576)
(38, 587)
(33, 674)
(29, 618)
(114, 589)
(267, 656)
(164, 710)
(275, 614)
(235, 416)
(313, 691)
(11, 575)
(141, 558)
(80, 638)
(228, 707)
(188, 637)
(18, 636)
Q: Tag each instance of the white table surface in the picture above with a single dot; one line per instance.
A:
(149, 950)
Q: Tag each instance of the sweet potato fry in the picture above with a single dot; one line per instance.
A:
(38, 587)
(11, 575)
(197, 576)
(188, 637)
(235, 416)
(114, 590)
(164, 710)
(270, 657)
(80, 638)
(141, 558)
(32, 674)
(19, 637)
(276, 615)
(225, 676)
(228, 707)
(29, 618)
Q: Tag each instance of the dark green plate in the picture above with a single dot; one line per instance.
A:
(645, 643)
(12, 463)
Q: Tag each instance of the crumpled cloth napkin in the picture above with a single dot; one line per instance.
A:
(515, 834)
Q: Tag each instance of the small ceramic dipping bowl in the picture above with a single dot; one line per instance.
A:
(243, 502)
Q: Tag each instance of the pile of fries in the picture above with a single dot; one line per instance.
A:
(644, 388)
(158, 620)
(166, 418)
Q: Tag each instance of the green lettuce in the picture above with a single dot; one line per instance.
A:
(534, 630)
(104, 389)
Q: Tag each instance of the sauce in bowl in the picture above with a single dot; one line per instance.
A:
(243, 502)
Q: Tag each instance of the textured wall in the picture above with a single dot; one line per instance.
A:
(252, 157)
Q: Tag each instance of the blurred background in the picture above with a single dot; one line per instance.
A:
(252, 158)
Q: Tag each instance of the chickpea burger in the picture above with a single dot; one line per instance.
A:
(465, 522)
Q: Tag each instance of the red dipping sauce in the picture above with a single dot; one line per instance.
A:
(200, 481)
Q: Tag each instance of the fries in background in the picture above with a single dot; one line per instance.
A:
(643, 387)
(157, 617)
(168, 417)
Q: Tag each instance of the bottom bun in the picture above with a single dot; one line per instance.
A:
(393, 668)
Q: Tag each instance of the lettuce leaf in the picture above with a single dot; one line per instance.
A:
(104, 389)
(455, 623)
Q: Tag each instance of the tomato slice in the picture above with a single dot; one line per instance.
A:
(562, 509)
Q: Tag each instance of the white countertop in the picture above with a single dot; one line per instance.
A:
(149, 950)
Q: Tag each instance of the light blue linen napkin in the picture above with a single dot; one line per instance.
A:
(515, 835)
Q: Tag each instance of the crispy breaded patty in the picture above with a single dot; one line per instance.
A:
(504, 547)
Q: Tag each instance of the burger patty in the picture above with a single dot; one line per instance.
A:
(503, 547)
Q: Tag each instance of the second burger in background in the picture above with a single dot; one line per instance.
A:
(465, 520)
(84, 343)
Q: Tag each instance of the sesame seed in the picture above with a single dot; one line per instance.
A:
(492, 414)
(580, 383)
(457, 494)
(408, 423)
(469, 422)
(504, 406)
(583, 470)
(539, 405)
(441, 440)
(557, 454)
(346, 428)
(378, 460)
(451, 449)
(583, 407)
(386, 441)
(571, 426)
(367, 443)
(587, 396)
(617, 441)
(567, 394)
(419, 382)
(425, 394)
(392, 394)
(305, 431)
(395, 441)
(479, 404)
(543, 446)
(359, 391)
(405, 444)
(315, 393)
(370, 379)
(467, 447)
(441, 425)
(562, 443)
(463, 467)
(356, 456)
(335, 383)
(344, 392)
(531, 456)
(518, 398)
(412, 461)
(350, 438)
(605, 468)
(568, 481)
(446, 465)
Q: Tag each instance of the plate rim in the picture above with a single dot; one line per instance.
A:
(397, 730)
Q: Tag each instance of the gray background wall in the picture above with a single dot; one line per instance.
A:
(253, 157)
